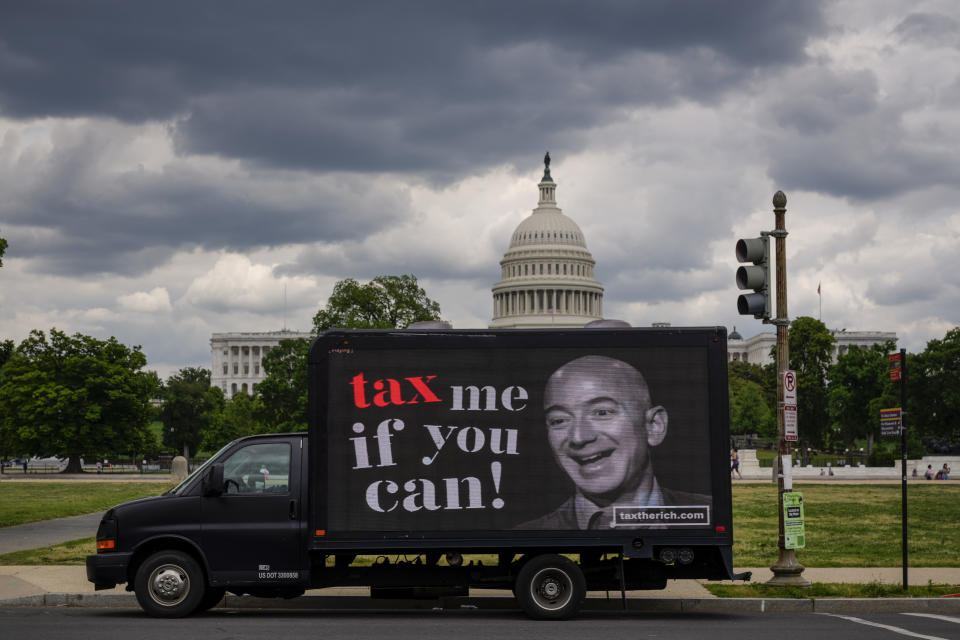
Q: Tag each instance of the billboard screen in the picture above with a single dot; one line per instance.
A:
(487, 437)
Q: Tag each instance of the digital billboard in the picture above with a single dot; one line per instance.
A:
(494, 438)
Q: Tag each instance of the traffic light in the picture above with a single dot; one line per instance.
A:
(755, 276)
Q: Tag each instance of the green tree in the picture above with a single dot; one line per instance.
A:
(933, 384)
(749, 412)
(383, 303)
(3, 249)
(753, 398)
(7, 347)
(858, 383)
(811, 346)
(71, 396)
(190, 407)
(237, 420)
(283, 392)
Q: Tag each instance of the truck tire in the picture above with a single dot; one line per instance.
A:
(169, 584)
(550, 587)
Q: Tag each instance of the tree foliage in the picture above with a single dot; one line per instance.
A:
(7, 347)
(753, 398)
(811, 347)
(859, 384)
(237, 420)
(283, 393)
(385, 302)
(933, 384)
(70, 396)
(190, 407)
(3, 249)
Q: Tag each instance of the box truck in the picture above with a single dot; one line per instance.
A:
(547, 462)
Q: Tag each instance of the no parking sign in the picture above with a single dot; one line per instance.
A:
(790, 405)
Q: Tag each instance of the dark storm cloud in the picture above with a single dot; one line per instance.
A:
(104, 221)
(391, 85)
(821, 101)
(869, 168)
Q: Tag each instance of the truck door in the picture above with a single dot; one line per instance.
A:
(251, 533)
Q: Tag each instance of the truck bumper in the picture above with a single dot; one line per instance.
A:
(107, 570)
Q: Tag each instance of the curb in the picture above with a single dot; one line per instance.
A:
(633, 605)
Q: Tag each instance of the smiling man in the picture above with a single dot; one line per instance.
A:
(601, 424)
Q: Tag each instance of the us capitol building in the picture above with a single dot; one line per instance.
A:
(546, 275)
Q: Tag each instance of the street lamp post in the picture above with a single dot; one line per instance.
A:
(787, 571)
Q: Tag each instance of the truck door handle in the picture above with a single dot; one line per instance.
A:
(293, 509)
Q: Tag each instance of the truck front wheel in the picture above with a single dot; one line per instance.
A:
(169, 584)
(550, 587)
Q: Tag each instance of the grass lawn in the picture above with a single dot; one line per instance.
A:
(74, 552)
(851, 525)
(846, 525)
(832, 590)
(23, 502)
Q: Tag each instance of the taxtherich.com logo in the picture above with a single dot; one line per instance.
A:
(673, 516)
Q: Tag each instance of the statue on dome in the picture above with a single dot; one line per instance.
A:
(546, 160)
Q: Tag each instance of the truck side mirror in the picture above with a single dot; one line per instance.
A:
(213, 480)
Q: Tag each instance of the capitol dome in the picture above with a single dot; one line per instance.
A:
(546, 274)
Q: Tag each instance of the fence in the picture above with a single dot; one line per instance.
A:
(51, 466)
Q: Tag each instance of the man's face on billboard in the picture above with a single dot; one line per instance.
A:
(597, 414)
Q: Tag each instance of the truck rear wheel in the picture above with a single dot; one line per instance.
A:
(550, 587)
(169, 584)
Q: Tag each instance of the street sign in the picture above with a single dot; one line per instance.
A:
(790, 405)
(891, 421)
(896, 366)
(790, 422)
(793, 530)
(790, 387)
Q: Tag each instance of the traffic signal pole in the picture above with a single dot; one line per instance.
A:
(903, 462)
(787, 571)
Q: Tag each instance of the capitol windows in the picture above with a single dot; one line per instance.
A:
(233, 389)
(541, 268)
(236, 368)
(256, 369)
(246, 369)
(224, 369)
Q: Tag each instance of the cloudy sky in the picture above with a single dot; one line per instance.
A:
(168, 169)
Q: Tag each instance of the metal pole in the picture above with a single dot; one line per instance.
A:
(787, 572)
(903, 459)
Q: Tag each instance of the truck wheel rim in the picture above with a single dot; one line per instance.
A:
(169, 585)
(551, 589)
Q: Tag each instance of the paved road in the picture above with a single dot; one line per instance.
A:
(69, 624)
(48, 532)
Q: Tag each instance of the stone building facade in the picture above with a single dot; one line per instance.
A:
(547, 273)
(238, 358)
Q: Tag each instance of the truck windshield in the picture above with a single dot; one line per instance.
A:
(180, 488)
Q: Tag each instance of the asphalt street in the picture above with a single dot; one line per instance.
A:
(69, 624)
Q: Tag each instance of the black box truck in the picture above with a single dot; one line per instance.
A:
(548, 462)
